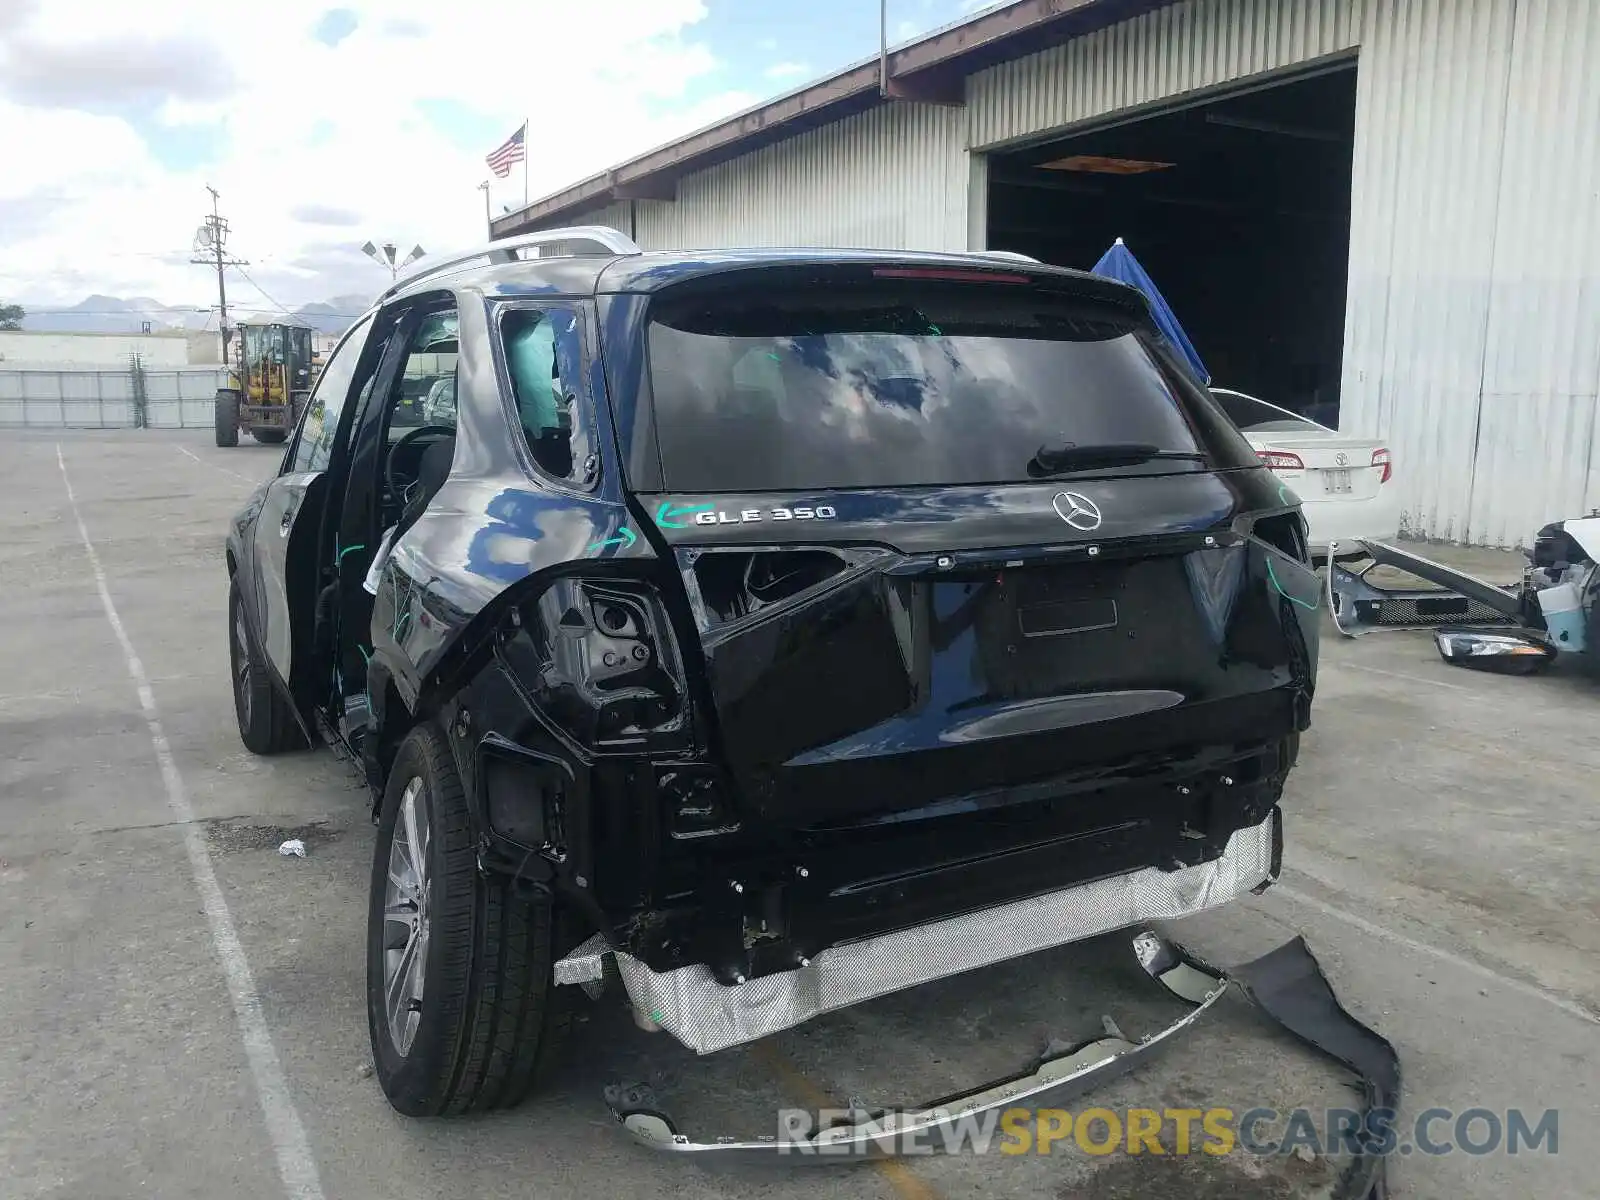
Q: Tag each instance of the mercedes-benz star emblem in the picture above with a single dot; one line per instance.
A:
(1082, 513)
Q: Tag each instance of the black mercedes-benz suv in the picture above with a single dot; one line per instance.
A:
(790, 626)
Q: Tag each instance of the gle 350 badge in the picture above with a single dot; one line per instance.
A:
(681, 516)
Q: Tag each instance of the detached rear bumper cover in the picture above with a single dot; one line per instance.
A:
(1286, 984)
(887, 1134)
(707, 1016)
(1359, 607)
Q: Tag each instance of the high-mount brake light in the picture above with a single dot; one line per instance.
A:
(948, 274)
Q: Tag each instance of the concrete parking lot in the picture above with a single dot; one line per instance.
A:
(183, 1008)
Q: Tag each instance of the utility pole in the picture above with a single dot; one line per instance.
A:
(211, 242)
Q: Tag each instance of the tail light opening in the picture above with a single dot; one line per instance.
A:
(1382, 458)
(1280, 460)
(599, 659)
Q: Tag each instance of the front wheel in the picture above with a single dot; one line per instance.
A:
(226, 417)
(270, 437)
(462, 1009)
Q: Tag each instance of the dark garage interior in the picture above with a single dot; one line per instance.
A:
(1239, 208)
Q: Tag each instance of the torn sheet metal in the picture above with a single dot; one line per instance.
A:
(1358, 606)
(1288, 985)
(885, 1133)
(706, 1015)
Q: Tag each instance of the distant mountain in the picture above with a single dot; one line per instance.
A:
(333, 316)
(113, 314)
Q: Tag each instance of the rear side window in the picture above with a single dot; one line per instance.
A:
(544, 359)
(898, 383)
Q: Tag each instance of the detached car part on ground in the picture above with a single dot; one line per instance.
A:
(793, 626)
(1517, 629)
(1286, 984)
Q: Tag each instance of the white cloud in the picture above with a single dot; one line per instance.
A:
(321, 146)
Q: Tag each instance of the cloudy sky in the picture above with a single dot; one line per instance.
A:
(327, 122)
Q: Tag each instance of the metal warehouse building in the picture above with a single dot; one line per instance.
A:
(1381, 212)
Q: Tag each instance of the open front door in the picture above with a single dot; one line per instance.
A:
(285, 548)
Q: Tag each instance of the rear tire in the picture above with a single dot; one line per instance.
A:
(270, 437)
(477, 1026)
(226, 416)
(266, 722)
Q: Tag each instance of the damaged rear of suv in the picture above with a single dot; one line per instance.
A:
(884, 616)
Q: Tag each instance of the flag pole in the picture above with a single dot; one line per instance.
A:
(524, 162)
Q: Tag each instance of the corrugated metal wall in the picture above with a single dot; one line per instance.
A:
(893, 177)
(1172, 51)
(1538, 453)
(1472, 341)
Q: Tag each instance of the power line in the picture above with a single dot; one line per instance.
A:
(263, 291)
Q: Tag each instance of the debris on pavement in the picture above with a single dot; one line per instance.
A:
(294, 848)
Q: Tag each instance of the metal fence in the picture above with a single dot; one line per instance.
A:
(108, 398)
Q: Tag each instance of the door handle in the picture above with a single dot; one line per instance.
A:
(283, 525)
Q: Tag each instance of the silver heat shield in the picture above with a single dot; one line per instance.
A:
(705, 1015)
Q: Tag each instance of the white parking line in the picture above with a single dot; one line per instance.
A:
(296, 1167)
(1466, 964)
(214, 466)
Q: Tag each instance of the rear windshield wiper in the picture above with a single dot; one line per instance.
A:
(1058, 460)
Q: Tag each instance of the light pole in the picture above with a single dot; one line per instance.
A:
(488, 216)
(384, 256)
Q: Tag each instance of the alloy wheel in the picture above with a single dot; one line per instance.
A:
(405, 920)
(241, 664)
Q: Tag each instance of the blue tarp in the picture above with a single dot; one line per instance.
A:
(1119, 263)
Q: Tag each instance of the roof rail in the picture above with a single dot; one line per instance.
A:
(1010, 254)
(610, 241)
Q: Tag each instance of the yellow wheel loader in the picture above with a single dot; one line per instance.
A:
(270, 375)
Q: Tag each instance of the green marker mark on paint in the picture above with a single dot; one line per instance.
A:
(667, 515)
(625, 538)
(1273, 575)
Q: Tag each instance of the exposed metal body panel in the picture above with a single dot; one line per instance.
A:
(1173, 51)
(893, 177)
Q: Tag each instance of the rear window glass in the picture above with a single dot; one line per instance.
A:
(898, 384)
(1255, 416)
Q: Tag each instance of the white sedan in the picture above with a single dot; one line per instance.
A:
(1345, 484)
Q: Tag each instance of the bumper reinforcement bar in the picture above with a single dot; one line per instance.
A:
(706, 1016)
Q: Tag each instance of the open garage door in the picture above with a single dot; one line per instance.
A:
(1238, 207)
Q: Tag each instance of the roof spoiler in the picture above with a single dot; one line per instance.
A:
(505, 250)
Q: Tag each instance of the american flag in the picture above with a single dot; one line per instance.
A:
(512, 150)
